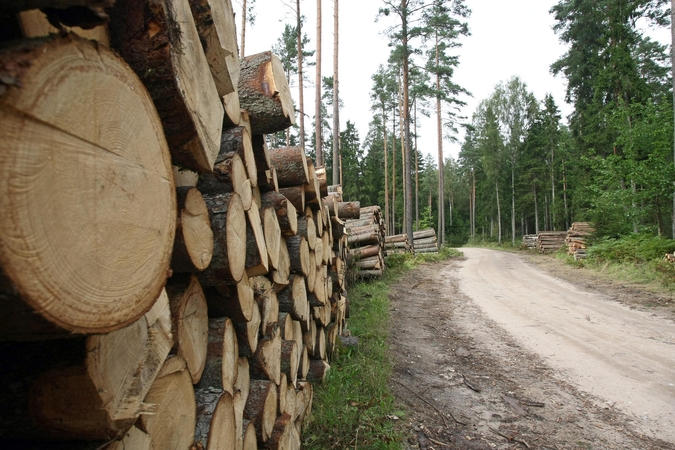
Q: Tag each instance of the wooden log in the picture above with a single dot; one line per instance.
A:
(172, 425)
(313, 194)
(371, 263)
(228, 223)
(193, 245)
(431, 240)
(229, 175)
(298, 250)
(234, 301)
(272, 233)
(303, 366)
(307, 229)
(257, 259)
(222, 366)
(281, 274)
(293, 299)
(215, 25)
(215, 427)
(119, 198)
(291, 166)
(290, 360)
(368, 238)
(309, 338)
(265, 363)
(349, 210)
(396, 238)
(320, 172)
(159, 40)
(424, 234)
(238, 140)
(261, 407)
(247, 334)
(295, 195)
(375, 273)
(297, 334)
(264, 93)
(280, 437)
(366, 252)
(426, 246)
(189, 323)
(83, 21)
(304, 402)
(250, 440)
(338, 228)
(351, 224)
(318, 369)
(287, 215)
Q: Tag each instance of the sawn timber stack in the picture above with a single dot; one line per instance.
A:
(366, 242)
(189, 282)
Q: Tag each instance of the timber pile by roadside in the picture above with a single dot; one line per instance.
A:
(168, 281)
(576, 239)
(529, 241)
(424, 241)
(397, 244)
(366, 235)
(550, 241)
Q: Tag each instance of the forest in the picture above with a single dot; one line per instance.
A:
(523, 167)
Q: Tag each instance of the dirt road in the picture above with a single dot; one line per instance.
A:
(491, 352)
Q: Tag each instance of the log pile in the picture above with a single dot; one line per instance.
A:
(551, 241)
(397, 244)
(366, 236)
(669, 257)
(576, 239)
(529, 241)
(168, 281)
(424, 241)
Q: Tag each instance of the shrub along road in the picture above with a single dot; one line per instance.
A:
(490, 352)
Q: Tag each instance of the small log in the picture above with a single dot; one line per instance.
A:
(215, 427)
(261, 407)
(247, 334)
(286, 326)
(268, 304)
(264, 93)
(303, 367)
(228, 222)
(159, 40)
(289, 403)
(307, 228)
(295, 195)
(309, 338)
(367, 238)
(313, 196)
(280, 436)
(338, 228)
(289, 360)
(272, 233)
(257, 259)
(291, 166)
(250, 441)
(189, 323)
(222, 367)
(298, 250)
(366, 252)
(229, 175)
(318, 369)
(293, 299)
(349, 210)
(424, 234)
(304, 402)
(320, 173)
(193, 245)
(371, 263)
(236, 302)
(286, 213)
(238, 140)
(265, 363)
(320, 345)
(281, 274)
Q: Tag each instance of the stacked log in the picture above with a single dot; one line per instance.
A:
(529, 241)
(576, 239)
(366, 236)
(145, 305)
(397, 244)
(550, 241)
(424, 241)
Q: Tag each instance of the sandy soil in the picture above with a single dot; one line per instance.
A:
(490, 352)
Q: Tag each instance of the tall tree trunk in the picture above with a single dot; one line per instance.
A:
(536, 210)
(513, 203)
(499, 214)
(401, 137)
(336, 99)
(386, 175)
(441, 181)
(393, 173)
(243, 26)
(318, 137)
(417, 175)
(552, 193)
(672, 59)
(300, 77)
(406, 126)
(567, 215)
(473, 194)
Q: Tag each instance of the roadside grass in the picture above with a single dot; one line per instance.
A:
(354, 407)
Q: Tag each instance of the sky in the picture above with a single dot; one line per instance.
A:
(508, 38)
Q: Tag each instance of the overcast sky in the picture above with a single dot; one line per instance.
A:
(508, 37)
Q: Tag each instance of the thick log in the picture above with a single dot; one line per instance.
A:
(425, 246)
(82, 21)
(120, 197)
(396, 238)
(423, 250)
(228, 222)
(257, 259)
(229, 175)
(424, 234)
(193, 245)
(261, 407)
(265, 363)
(368, 238)
(366, 252)
(293, 299)
(159, 40)
(215, 427)
(264, 93)
(295, 195)
(298, 250)
(247, 334)
(371, 263)
(291, 166)
(287, 215)
(351, 224)
(290, 360)
(238, 140)
(172, 424)
(349, 210)
(218, 36)
(422, 241)
(189, 323)
(234, 301)
(222, 366)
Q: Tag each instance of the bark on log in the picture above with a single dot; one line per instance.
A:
(261, 407)
(349, 210)
(189, 323)
(295, 195)
(318, 369)
(303, 367)
(267, 301)
(290, 361)
(293, 299)
(257, 259)
(291, 165)
(366, 252)
(264, 93)
(236, 302)
(298, 250)
(280, 437)
(368, 238)
(307, 228)
(371, 263)
(272, 233)
(228, 223)
(338, 227)
(250, 439)
(215, 427)
(304, 402)
(159, 40)
(247, 334)
(193, 245)
(309, 338)
(109, 182)
(172, 425)
(238, 140)
(286, 213)
(424, 234)
(229, 175)
(320, 172)
(222, 361)
(431, 240)
(215, 25)
(312, 195)
(265, 363)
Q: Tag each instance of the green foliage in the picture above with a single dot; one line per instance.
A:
(635, 248)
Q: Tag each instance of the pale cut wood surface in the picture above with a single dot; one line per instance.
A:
(261, 407)
(133, 439)
(34, 24)
(193, 244)
(88, 241)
